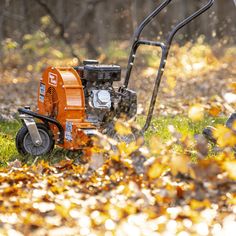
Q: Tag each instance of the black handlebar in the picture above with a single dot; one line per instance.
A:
(165, 46)
(149, 18)
(188, 20)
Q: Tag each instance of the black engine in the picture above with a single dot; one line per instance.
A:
(103, 101)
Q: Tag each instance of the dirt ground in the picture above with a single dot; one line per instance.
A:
(203, 89)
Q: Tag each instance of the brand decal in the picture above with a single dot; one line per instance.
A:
(52, 79)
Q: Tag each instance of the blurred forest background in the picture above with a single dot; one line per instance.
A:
(175, 183)
(35, 34)
(66, 21)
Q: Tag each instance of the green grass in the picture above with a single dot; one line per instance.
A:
(8, 132)
(159, 127)
(182, 124)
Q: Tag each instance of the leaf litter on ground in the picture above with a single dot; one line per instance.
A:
(134, 189)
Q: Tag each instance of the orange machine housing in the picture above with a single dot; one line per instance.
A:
(61, 96)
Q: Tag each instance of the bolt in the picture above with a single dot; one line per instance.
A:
(37, 142)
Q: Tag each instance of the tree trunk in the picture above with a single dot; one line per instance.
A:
(3, 7)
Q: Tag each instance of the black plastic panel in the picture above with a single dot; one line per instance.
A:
(102, 73)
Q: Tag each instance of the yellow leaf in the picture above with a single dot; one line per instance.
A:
(215, 111)
(224, 136)
(196, 112)
(179, 164)
(45, 20)
(199, 204)
(233, 86)
(122, 128)
(127, 149)
(155, 145)
(230, 167)
(155, 170)
(171, 81)
(30, 67)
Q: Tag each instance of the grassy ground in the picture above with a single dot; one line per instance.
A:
(8, 132)
(159, 127)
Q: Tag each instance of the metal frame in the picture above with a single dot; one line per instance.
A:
(165, 47)
(26, 115)
(45, 119)
(32, 128)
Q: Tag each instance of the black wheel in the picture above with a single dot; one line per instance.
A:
(25, 145)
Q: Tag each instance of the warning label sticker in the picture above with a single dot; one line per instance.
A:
(68, 136)
(41, 98)
(68, 132)
(42, 89)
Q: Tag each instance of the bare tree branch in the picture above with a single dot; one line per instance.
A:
(3, 8)
(60, 27)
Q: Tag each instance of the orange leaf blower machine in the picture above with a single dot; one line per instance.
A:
(76, 102)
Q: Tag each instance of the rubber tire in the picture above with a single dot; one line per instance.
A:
(24, 131)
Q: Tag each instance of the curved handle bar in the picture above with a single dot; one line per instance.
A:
(149, 18)
(188, 20)
(164, 47)
(168, 42)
